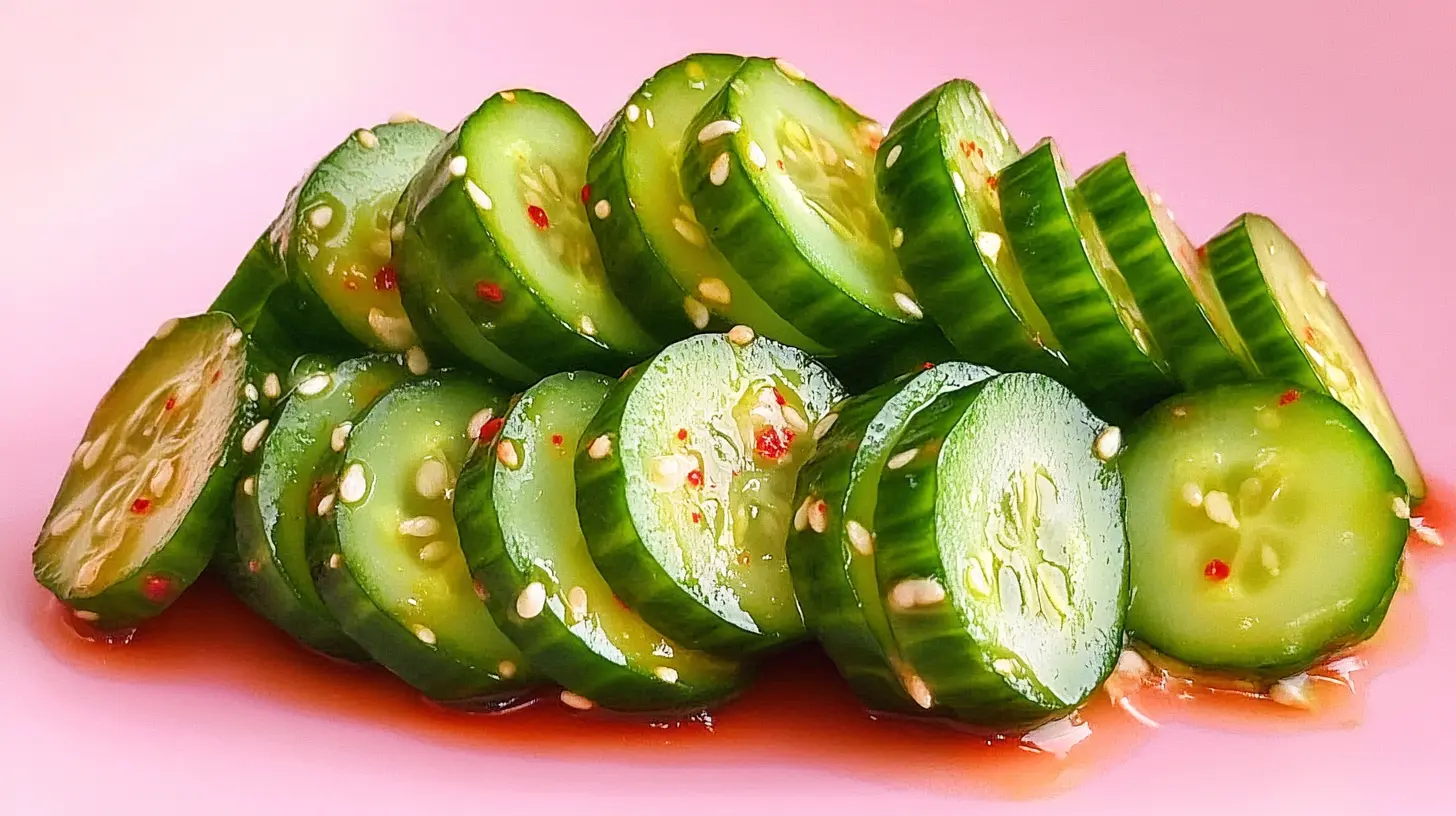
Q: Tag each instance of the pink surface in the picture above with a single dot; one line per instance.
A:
(143, 150)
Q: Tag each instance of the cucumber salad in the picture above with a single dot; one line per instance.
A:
(523, 410)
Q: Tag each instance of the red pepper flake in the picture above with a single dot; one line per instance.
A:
(779, 397)
(538, 217)
(1309, 334)
(1216, 570)
(927, 365)
(968, 147)
(489, 292)
(254, 566)
(1203, 251)
(556, 439)
(744, 559)
(141, 505)
(585, 193)
(171, 403)
(217, 375)
(697, 517)
(157, 588)
(1292, 395)
(695, 478)
(780, 163)
(491, 427)
(385, 280)
(992, 182)
(619, 603)
(772, 443)
(682, 434)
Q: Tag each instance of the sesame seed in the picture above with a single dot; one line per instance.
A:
(602, 209)
(1400, 507)
(576, 599)
(794, 419)
(713, 130)
(65, 523)
(718, 170)
(401, 117)
(756, 155)
(340, 436)
(902, 459)
(314, 384)
(325, 505)
(892, 157)
(505, 453)
(354, 484)
(824, 424)
(818, 516)
(394, 331)
(420, 526)
(577, 701)
(600, 448)
(1429, 536)
(320, 216)
(335, 561)
(272, 388)
(1269, 558)
(914, 592)
(1219, 509)
(715, 290)
(740, 335)
(506, 669)
(1192, 494)
(477, 195)
(509, 96)
(588, 326)
(633, 112)
(1004, 666)
(1294, 692)
(801, 516)
(531, 600)
(917, 689)
(860, 538)
(86, 615)
(416, 360)
(989, 243)
(250, 486)
(692, 233)
(897, 238)
(234, 338)
(458, 166)
(425, 634)
(254, 436)
(168, 326)
(250, 391)
(1108, 443)
(162, 479)
(958, 181)
(1320, 286)
(908, 305)
(432, 479)
(434, 552)
(366, 138)
(666, 674)
(697, 313)
(789, 69)
(478, 422)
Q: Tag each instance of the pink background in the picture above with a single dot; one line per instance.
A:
(143, 149)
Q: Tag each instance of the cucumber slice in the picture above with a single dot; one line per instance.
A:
(143, 501)
(493, 236)
(1115, 360)
(781, 174)
(1167, 277)
(516, 510)
(1295, 331)
(833, 566)
(685, 483)
(257, 277)
(281, 489)
(657, 256)
(919, 349)
(1001, 553)
(937, 184)
(385, 553)
(1266, 527)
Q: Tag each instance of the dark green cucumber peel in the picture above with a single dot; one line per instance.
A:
(385, 555)
(936, 172)
(281, 489)
(920, 348)
(1295, 332)
(833, 566)
(1266, 526)
(684, 488)
(494, 247)
(143, 503)
(781, 175)
(1167, 277)
(1001, 553)
(515, 506)
(1116, 364)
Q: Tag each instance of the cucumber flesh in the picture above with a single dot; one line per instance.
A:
(385, 553)
(1295, 331)
(143, 501)
(1001, 553)
(781, 174)
(1266, 527)
(685, 484)
(833, 565)
(517, 515)
(281, 489)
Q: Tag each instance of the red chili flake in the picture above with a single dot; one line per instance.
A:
(682, 434)
(697, 517)
(772, 443)
(619, 602)
(217, 375)
(351, 284)
(992, 182)
(744, 559)
(968, 148)
(385, 279)
(585, 193)
(1216, 570)
(489, 292)
(695, 478)
(556, 440)
(254, 566)
(1203, 251)
(778, 397)
(491, 427)
(780, 163)
(927, 365)
(141, 506)
(1292, 395)
(157, 588)
(1309, 334)
(538, 217)
(171, 403)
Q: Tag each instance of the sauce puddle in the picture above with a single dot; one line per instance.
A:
(797, 713)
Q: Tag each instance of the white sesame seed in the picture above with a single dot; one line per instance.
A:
(1192, 494)
(335, 561)
(602, 209)
(506, 669)
(1156, 199)
(860, 538)
(478, 422)
(713, 130)
(600, 448)
(1400, 507)
(633, 112)
(254, 436)
(432, 479)
(458, 166)
(401, 117)
(892, 157)
(272, 388)
(666, 674)
(531, 600)
(958, 182)
(434, 552)
(690, 232)
(794, 419)
(824, 424)
(339, 436)
(1429, 536)
(250, 391)
(740, 335)
(715, 290)
(509, 96)
(588, 326)
(697, 313)
(1003, 666)
(917, 689)
(313, 384)
(902, 459)
(718, 170)
(320, 216)
(1219, 509)
(86, 615)
(648, 113)
(234, 338)
(789, 69)
(1295, 692)
(416, 360)
(1108, 443)
(1320, 286)
(756, 155)
(801, 516)
(394, 331)
(897, 238)
(250, 486)
(1269, 558)
(505, 453)
(420, 526)
(354, 484)
(366, 138)
(167, 327)
(908, 305)
(576, 599)
(325, 505)
(162, 479)
(477, 195)
(989, 243)
(425, 634)
(65, 523)
(913, 592)
(818, 516)
(577, 701)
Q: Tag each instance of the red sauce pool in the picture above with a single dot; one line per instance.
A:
(799, 711)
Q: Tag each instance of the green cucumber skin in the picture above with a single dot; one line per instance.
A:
(922, 347)
(258, 275)
(1118, 377)
(1195, 352)
(939, 256)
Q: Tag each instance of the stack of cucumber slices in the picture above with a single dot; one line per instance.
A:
(1072, 431)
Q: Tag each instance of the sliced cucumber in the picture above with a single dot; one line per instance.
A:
(833, 565)
(685, 484)
(386, 556)
(937, 182)
(144, 500)
(517, 515)
(1295, 331)
(248, 290)
(919, 349)
(1001, 553)
(494, 248)
(282, 488)
(657, 256)
(1266, 527)
(782, 175)
(1116, 363)
(1167, 277)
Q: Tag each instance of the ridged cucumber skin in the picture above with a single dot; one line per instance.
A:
(761, 247)
(1234, 261)
(1197, 354)
(1110, 367)
(938, 253)
(934, 641)
(189, 548)
(548, 643)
